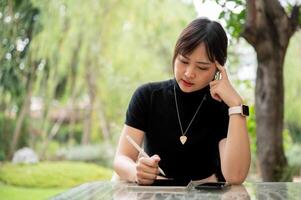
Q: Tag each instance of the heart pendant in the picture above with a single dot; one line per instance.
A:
(183, 139)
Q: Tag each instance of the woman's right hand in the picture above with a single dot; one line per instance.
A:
(147, 170)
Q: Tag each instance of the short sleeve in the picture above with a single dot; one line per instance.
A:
(137, 112)
(222, 121)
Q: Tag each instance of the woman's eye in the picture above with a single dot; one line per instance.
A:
(184, 62)
(202, 68)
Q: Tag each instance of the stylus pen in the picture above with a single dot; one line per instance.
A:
(141, 151)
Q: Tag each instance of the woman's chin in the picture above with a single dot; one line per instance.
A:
(187, 89)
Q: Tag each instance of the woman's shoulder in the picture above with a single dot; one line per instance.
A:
(146, 92)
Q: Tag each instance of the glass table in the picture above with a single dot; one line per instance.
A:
(130, 191)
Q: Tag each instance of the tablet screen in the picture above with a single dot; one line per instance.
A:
(171, 182)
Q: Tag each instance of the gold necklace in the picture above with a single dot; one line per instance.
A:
(183, 137)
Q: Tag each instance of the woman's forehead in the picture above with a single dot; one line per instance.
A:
(198, 53)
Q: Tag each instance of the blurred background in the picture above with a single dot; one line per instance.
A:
(68, 69)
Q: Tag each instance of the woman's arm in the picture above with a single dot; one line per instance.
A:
(126, 155)
(145, 170)
(235, 149)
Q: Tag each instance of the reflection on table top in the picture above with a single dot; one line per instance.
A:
(129, 191)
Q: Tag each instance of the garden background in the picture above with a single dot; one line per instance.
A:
(68, 69)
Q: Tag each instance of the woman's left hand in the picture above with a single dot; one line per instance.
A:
(222, 90)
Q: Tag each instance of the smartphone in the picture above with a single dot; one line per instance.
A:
(212, 186)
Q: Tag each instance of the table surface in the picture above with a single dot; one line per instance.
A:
(129, 191)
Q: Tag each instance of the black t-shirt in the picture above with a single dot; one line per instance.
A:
(152, 109)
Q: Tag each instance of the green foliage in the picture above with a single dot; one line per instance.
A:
(51, 151)
(252, 129)
(235, 18)
(115, 49)
(102, 154)
(17, 30)
(251, 123)
(292, 81)
(289, 9)
(52, 174)
(151, 31)
(62, 136)
(293, 155)
(234, 13)
(7, 125)
(8, 192)
(96, 49)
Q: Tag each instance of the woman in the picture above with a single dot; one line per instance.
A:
(193, 126)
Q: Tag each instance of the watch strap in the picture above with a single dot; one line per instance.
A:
(242, 110)
(235, 110)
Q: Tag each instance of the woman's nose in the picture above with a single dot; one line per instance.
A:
(189, 72)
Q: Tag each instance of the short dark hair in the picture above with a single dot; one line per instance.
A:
(211, 33)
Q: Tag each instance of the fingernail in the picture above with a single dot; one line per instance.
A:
(156, 157)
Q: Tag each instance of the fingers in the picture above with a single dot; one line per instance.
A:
(222, 90)
(162, 178)
(214, 91)
(151, 162)
(215, 96)
(213, 83)
(147, 169)
(147, 174)
(221, 69)
(143, 181)
(217, 86)
(145, 178)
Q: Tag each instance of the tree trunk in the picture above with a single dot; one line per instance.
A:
(91, 83)
(73, 80)
(54, 130)
(24, 110)
(73, 109)
(19, 123)
(102, 121)
(268, 29)
(87, 124)
(269, 101)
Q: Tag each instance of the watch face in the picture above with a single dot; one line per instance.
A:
(245, 110)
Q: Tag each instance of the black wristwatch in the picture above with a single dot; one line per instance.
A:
(242, 110)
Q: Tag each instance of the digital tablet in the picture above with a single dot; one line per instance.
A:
(171, 182)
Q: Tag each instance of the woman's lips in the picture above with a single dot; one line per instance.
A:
(186, 83)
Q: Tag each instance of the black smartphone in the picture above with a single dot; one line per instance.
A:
(212, 186)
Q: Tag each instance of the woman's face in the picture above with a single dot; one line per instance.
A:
(195, 71)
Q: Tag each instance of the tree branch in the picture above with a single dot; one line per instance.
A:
(250, 29)
(294, 18)
(274, 9)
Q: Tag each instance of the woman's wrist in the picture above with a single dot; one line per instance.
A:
(133, 174)
(236, 102)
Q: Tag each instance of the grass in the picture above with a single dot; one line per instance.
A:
(52, 174)
(8, 192)
(46, 179)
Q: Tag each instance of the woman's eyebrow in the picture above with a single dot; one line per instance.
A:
(203, 62)
(199, 62)
(185, 56)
